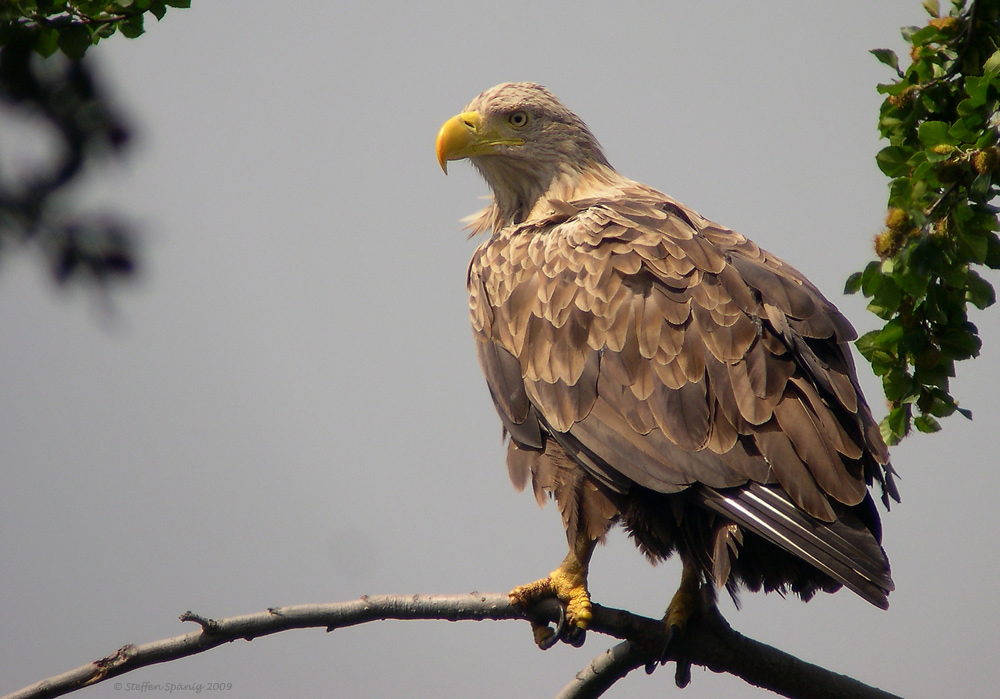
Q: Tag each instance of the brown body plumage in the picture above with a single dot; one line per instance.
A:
(654, 368)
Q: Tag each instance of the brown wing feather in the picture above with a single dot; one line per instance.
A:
(710, 361)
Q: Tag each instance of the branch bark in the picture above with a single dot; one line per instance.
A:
(710, 642)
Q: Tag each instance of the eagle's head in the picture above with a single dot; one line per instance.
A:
(524, 141)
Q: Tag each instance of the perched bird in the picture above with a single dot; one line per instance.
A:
(656, 369)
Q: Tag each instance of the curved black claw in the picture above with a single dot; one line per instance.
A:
(545, 635)
(673, 633)
(575, 636)
(682, 677)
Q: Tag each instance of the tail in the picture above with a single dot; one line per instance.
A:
(846, 549)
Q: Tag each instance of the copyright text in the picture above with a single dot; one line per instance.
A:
(171, 687)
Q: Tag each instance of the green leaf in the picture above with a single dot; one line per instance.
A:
(179, 3)
(925, 423)
(896, 424)
(890, 88)
(932, 133)
(158, 8)
(74, 41)
(103, 31)
(891, 334)
(888, 297)
(894, 160)
(867, 344)
(978, 291)
(925, 35)
(888, 57)
(992, 252)
(47, 42)
(980, 188)
(936, 100)
(989, 138)
(977, 88)
(992, 65)
(897, 385)
(132, 26)
(912, 279)
(937, 375)
(966, 130)
(853, 284)
(932, 7)
(871, 279)
(960, 342)
(975, 242)
(942, 406)
(935, 305)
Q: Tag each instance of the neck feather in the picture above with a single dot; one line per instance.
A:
(520, 194)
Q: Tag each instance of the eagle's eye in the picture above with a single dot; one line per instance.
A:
(518, 119)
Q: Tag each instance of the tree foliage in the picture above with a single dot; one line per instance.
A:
(74, 26)
(940, 117)
(44, 80)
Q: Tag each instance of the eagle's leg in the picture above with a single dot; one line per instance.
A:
(567, 583)
(686, 602)
(685, 605)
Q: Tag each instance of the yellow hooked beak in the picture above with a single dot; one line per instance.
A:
(464, 136)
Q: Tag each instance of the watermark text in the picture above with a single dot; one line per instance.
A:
(173, 687)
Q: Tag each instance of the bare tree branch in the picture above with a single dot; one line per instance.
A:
(603, 671)
(710, 642)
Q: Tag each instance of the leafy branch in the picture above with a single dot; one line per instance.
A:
(709, 642)
(44, 81)
(940, 117)
(73, 26)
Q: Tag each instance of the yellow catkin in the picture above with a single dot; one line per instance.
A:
(904, 98)
(887, 243)
(945, 24)
(985, 161)
(897, 219)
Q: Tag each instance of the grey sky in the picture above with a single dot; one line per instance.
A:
(287, 408)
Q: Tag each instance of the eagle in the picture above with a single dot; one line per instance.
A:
(655, 369)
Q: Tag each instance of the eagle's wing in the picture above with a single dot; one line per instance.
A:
(660, 349)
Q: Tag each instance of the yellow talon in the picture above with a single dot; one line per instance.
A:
(568, 584)
(569, 587)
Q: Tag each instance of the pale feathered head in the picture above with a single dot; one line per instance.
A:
(524, 141)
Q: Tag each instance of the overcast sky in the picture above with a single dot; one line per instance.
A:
(286, 407)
